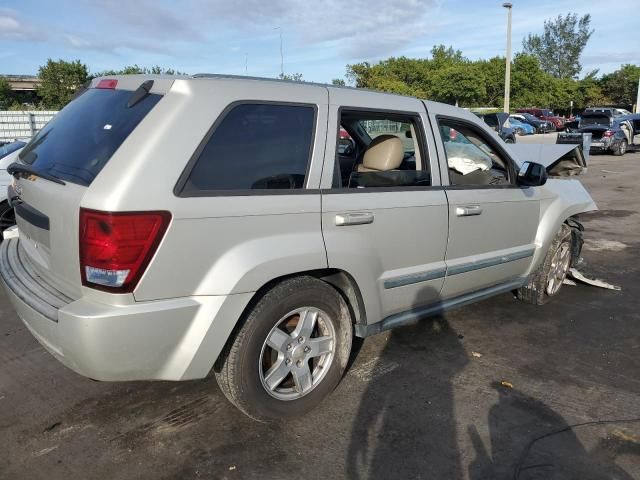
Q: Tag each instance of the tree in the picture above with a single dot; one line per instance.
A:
(621, 86)
(295, 77)
(5, 94)
(559, 48)
(338, 81)
(135, 69)
(493, 74)
(59, 80)
(462, 85)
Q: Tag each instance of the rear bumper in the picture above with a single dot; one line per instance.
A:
(173, 339)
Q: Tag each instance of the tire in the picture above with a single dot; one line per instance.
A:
(249, 369)
(558, 259)
(7, 217)
(509, 140)
(620, 149)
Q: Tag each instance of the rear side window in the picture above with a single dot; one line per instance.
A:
(81, 139)
(253, 147)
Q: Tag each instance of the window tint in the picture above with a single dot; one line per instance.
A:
(78, 142)
(379, 150)
(470, 157)
(256, 146)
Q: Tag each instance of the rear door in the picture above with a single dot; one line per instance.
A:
(388, 227)
(492, 221)
(71, 150)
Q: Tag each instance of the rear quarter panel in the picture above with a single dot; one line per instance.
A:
(221, 244)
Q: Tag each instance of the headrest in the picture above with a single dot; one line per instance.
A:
(383, 154)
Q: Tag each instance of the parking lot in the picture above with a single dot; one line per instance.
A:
(495, 390)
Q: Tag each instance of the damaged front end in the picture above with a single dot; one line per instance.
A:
(560, 160)
(577, 240)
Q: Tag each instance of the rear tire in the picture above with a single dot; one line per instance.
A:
(546, 282)
(290, 352)
(620, 149)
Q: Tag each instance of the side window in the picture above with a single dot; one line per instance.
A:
(255, 146)
(470, 157)
(380, 150)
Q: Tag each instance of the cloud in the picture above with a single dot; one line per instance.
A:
(148, 18)
(611, 57)
(90, 42)
(13, 28)
(359, 28)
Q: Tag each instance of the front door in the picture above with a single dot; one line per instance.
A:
(492, 221)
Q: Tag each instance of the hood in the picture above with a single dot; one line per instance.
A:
(9, 159)
(559, 160)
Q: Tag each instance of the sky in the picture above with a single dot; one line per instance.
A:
(319, 38)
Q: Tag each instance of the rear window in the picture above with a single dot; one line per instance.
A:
(81, 139)
(254, 147)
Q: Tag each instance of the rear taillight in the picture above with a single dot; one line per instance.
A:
(116, 247)
(608, 133)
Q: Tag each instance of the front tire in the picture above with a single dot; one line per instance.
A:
(7, 217)
(546, 282)
(290, 352)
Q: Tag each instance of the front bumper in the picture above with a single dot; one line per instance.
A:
(172, 339)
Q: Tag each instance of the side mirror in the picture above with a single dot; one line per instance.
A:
(532, 175)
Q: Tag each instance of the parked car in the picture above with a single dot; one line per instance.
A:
(244, 244)
(545, 114)
(608, 133)
(500, 123)
(541, 126)
(612, 111)
(7, 153)
(521, 128)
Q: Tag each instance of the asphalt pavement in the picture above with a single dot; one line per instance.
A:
(495, 390)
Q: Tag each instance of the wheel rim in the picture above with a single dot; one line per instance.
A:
(559, 268)
(7, 218)
(623, 147)
(297, 353)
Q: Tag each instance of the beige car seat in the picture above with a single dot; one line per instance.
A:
(383, 154)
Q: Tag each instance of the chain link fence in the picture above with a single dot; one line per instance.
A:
(23, 125)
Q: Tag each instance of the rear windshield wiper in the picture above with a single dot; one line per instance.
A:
(16, 169)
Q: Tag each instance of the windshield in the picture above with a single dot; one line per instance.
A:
(10, 147)
(81, 139)
(595, 119)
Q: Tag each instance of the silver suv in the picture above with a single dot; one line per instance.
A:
(171, 226)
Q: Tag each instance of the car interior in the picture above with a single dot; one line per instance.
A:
(379, 150)
(471, 159)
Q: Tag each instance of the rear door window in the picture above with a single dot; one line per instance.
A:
(79, 141)
(253, 147)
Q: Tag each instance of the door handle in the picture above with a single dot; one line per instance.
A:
(468, 210)
(355, 218)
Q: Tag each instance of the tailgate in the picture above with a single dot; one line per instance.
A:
(47, 220)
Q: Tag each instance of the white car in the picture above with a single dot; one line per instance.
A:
(8, 154)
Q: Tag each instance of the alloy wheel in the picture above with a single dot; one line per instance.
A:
(297, 353)
(559, 268)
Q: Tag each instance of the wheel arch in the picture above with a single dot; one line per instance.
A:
(340, 280)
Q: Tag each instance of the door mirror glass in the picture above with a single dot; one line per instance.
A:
(532, 174)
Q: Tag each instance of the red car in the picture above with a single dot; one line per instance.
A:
(544, 114)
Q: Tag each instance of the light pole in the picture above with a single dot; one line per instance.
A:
(281, 54)
(507, 71)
